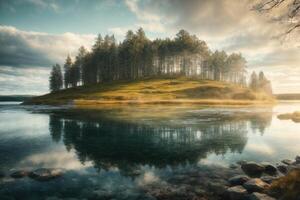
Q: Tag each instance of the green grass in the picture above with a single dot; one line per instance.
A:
(154, 90)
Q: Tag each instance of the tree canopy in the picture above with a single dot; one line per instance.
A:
(137, 57)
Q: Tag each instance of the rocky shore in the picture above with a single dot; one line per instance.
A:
(264, 181)
(244, 180)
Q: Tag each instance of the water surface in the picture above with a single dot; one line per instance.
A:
(138, 152)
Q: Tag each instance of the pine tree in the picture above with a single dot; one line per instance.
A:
(254, 81)
(67, 72)
(56, 79)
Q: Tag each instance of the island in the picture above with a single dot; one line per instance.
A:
(143, 71)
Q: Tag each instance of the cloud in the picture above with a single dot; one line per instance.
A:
(23, 80)
(26, 57)
(21, 48)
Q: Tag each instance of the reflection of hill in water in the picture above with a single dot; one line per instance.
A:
(109, 142)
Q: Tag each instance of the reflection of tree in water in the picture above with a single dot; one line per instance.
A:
(116, 143)
(260, 123)
(55, 128)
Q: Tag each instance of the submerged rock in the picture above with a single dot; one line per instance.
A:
(233, 166)
(19, 174)
(253, 169)
(238, 180)
(260, 196)
(287, 162)
(237, 193)
(256, 185)
(44, 174)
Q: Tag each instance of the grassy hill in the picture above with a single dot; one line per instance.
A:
(176, 90)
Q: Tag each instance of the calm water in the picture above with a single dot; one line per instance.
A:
(136, 152)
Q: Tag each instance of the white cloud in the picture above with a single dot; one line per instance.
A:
(26, 57)
(228, 25)
(24, 48)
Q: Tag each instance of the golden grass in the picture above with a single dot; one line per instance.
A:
(287, 187)
(156, 90)
(82, 102)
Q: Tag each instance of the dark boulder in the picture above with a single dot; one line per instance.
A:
(253, 169)
(297, 159)
(282, 168)
(270, 169)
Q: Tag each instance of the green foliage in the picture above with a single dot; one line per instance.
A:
(138, 57)
(56, 79)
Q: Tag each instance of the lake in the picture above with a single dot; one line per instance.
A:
(138, 152)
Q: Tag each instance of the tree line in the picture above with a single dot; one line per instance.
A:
(260, 83)
(137, 57)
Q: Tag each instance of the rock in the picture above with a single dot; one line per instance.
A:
(44, 174)
(238, 180)
(282, 168)
(233, 166)
(19, 174)
(260, 196)
(253, 169)
(256, 185)
(287, 162)
(267, 179)
(297, 159)
(270, 169)
(237, 193)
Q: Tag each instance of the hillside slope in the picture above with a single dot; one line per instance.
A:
(179, 90)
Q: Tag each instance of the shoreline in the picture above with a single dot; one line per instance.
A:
(208, 102)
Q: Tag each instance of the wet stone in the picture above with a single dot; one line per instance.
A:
(282, 168)
(287, 162)
(44, 174)
(238, 180)
(260, 196)
(253, 169)
(297, 159)
(270, 169)
(237, 193)
(267, 179)
(256, 185)
(19, 174)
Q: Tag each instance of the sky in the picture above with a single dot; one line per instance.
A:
(35, 34)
